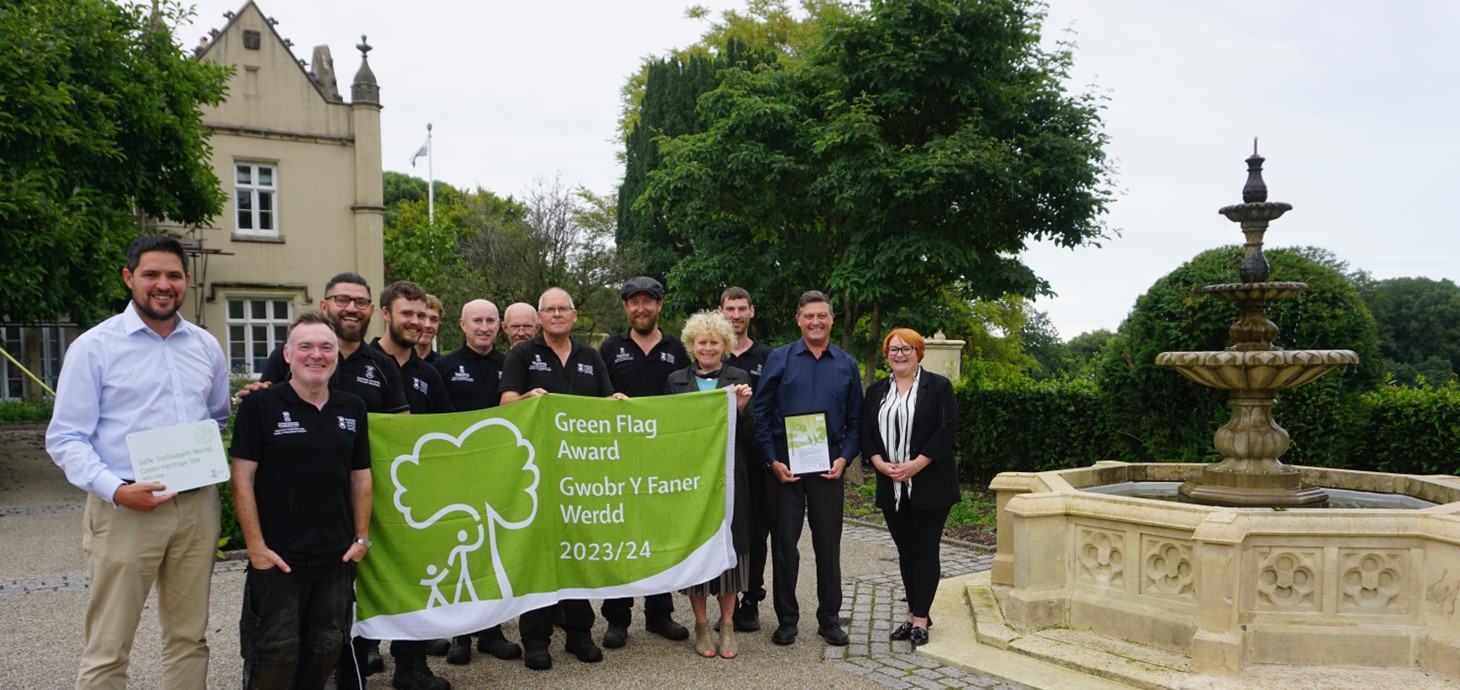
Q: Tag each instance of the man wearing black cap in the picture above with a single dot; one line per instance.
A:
(639, 360)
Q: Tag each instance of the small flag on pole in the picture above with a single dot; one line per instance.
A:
(424, 151)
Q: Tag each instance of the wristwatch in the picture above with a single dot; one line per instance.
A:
(363, 542)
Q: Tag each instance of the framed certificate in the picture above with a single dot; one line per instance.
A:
(806, 442)
(180, 457)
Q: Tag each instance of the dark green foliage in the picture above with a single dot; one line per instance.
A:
(1162, 416)
(1419, 327)
(1414, 430)
(1019, 424)
(99, 120)
(26, 410)
(903, 151)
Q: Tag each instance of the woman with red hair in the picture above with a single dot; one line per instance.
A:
(907, 428)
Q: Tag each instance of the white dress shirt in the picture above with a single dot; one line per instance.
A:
(120, 377)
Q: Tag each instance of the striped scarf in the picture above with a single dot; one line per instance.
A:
(894, 420)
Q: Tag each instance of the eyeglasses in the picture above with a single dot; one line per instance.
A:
(900, 350)
(554, 311)
(343, 301)
(521, 327)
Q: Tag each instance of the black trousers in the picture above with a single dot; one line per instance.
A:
(760, 529)
(293, 625)
(919, 538)
(536, 626)
(817, 502)
(620, 612)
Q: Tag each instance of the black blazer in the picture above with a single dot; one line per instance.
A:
(683, 381)
(935, 422)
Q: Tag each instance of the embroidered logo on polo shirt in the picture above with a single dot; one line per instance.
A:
(756, 371)
(288, 426)
(622, 356)
(585, 369)
(369, 371)
(667, 357)
(461, 375)
(421, 385)
(346, 423)
(538, 364)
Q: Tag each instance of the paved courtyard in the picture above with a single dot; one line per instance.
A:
(43, 601)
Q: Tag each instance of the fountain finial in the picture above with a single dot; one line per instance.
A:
(1255, 190)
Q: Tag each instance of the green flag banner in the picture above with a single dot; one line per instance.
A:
(478, 517)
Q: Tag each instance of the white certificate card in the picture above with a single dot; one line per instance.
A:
(180, 457)
(806, 443)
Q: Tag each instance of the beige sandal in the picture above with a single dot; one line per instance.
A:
(727, 642)
(703, 645)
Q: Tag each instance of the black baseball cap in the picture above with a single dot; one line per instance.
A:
(641, 284)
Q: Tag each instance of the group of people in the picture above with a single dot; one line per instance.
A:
(302, 484)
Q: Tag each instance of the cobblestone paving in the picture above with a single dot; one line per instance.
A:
(874, 604)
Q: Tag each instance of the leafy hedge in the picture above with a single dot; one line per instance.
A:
(1030, 426)
(26, 410)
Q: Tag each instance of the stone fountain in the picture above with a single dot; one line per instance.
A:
(1246, 575)
(1253, 370)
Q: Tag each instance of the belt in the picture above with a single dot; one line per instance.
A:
(126, 482)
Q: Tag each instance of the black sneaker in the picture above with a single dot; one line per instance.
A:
(784, 635)
(460, 653)
(667, 629)
(834, 635)
(747, 617)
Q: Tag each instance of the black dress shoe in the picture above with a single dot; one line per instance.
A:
(784, 635)
(902, 632)
(834, 635)
(918, 637)
(667, 629)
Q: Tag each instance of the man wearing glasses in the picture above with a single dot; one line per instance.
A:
(520, 323)
(553, 363)
(363, 371)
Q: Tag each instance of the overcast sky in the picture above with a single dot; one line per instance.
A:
(1355, 104)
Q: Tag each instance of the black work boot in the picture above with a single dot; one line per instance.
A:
(460, 652)
(493, 642)
(747, 616)
(412, 673)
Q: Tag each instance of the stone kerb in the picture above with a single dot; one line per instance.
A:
(1228, 587)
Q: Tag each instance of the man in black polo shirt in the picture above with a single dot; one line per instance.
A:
(362, 371)
(403, 308)
(430, 324)
(470, 375)
(639, 360)
(553, 363)
(301, 437)
(750, 355)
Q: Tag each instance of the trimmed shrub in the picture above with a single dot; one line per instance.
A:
(1019, 424)
(1412, 430)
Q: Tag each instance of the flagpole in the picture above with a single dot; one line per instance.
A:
(430, 180)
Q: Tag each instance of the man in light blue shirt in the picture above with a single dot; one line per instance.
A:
(145, 368)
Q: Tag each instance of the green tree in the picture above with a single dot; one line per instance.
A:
(907, 149)
(1419, 327)
(100, 125)
(1165, 417)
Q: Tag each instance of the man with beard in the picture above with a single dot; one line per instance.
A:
(520, 323)
(639, 360)
(553, 363)
(403, 308)
(470, 375)
(362, 371)
(429, 326)
(808, 376)
(145, 368)
(750, 355)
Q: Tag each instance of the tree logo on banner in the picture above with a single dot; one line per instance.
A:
(474, 472)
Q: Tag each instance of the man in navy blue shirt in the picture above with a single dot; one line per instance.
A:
(808, 376)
